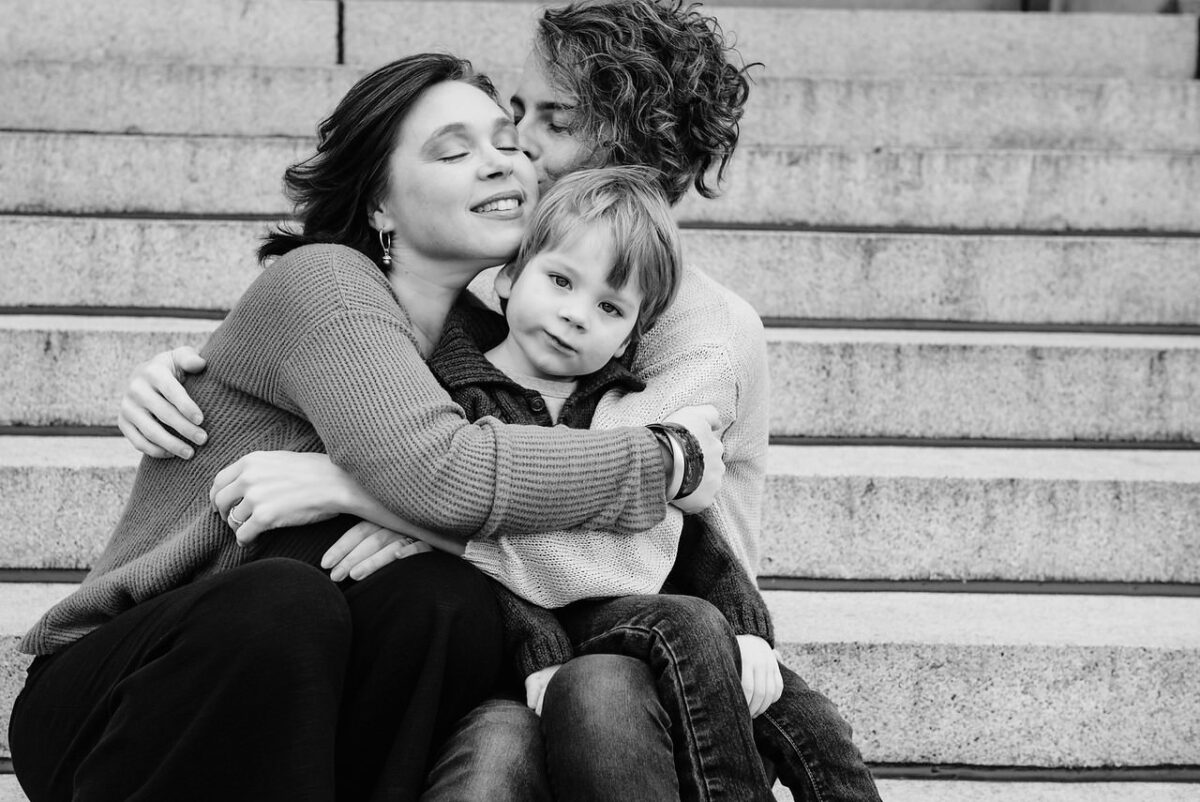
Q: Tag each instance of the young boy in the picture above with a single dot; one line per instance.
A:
(600, 263)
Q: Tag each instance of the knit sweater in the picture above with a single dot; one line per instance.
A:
(319, 355)
(705, 566)
(708, 347)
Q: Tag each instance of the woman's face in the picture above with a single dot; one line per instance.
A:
(545, 120)
(459, 187)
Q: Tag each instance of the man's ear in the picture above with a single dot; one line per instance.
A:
(504, 282)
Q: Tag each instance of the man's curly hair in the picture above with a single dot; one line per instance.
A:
(654, 86)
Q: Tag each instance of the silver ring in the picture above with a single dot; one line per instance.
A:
(235, 522)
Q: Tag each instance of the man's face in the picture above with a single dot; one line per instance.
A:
(545, 121)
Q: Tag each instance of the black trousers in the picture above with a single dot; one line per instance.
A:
(265, 682)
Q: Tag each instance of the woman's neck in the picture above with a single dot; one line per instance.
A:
(426, 300)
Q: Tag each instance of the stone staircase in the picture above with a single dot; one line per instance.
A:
(975, 239)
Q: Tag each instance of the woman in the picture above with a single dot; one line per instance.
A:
(190, 664)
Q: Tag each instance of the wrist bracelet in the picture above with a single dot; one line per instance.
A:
(693, 458)
(667, 441)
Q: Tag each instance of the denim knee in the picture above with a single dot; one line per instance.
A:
(495, 753)
(607, 735)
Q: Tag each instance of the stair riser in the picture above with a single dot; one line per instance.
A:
(979, 391)
(831, 388)
(863, 526)
(858, 113)
(212, 31)
(1006, 706)
(1010, 280)
(921, 189)
(794, 42)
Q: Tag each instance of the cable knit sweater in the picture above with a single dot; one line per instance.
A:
(705, 567)
(709, 347)
(319, 355)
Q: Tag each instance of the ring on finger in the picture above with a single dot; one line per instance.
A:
(235, 521)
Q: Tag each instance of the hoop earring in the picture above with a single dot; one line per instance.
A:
(387, 247)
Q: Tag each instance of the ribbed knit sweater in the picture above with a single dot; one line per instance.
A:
(319, 355)
(705, 566)
(708, 347)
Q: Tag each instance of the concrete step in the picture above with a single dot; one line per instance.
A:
(995, 680)
(152, 174)
(921, 513)
(207, 31)
(71, 370)
(793, 42)
(1054, 190)
(990, 385)
(1003, 680)
(941, 791)
(956, 189)
(1005, 791)
(171, 98)
(862, 112)
(1024, 280)
(830, 512)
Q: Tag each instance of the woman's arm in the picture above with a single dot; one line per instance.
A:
(319, 336)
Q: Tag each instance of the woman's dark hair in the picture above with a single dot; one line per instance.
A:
(653, 83)
(334, 189)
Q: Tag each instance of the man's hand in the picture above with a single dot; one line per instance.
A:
(155, 397)
(367, 547)
(761, 681)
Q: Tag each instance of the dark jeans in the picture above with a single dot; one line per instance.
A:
(615, 722)
(692, 653)
(603, 735)
(265, 682)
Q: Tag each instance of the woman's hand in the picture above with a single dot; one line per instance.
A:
(156, 397)
(535, 687)
(271, 489)
(704, 423)
(761, 681)
(367, 547)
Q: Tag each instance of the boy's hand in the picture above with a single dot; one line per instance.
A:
(761, 680)
(535, 687)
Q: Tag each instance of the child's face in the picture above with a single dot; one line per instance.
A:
(564, 317)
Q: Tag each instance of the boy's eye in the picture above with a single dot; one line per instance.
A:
(559, 281)
(610, 309)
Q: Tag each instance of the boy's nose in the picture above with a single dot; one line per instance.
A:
(573, 315)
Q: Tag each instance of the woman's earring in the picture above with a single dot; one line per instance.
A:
(387, 247)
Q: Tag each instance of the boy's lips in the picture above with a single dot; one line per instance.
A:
(560, 344)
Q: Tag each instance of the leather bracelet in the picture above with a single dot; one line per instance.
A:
(668, 442)
(693, 458)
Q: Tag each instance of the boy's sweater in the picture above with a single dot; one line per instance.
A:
(709, 347)
(705, 566)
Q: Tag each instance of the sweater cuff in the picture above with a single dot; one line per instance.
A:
(752, 619)
(545, 650)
